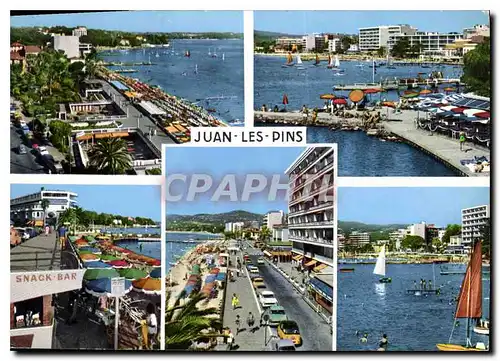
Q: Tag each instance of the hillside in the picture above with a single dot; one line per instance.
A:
(270, 35)
(349, 226)
(217, 218)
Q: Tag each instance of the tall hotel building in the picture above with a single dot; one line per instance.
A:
(311, 218)
(473, 221)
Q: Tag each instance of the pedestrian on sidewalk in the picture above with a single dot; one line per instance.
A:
(462, 140)
(250, 320)
(230, 341)
(47, 229)
(238, 324)
(234, 301)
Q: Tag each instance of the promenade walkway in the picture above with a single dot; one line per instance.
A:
(246, 340)
(444, 148)
(297, 118)
(41, 253)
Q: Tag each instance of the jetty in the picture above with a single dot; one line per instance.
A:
(126, 70)
(444, 149)
(424, 291)
(297, 118)
(395, 84)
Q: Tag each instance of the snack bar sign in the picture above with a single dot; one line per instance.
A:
(28, 285)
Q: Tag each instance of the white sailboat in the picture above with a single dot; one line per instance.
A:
(330, 62)
(380, 267)
(299, 60)
(337, 62)
(196, 69)
(209, 53)
(157, 55)
(223, 56)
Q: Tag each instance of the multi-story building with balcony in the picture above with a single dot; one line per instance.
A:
(287, 44)
(432, 43)
(373, 38)
(359, 238)
(474, 219)
(311, 206)
(273, 218)
(28, 209)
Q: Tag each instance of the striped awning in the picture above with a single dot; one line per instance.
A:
(311, 262)
(297, 257)
(319, 267)
(267, 254)
(281, 253)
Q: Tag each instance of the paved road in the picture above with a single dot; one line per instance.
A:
(22, 163)
(246, 340)
(145, 124)
(314, 330)
(36, 254)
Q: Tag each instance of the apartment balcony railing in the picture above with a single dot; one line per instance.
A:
(311, 239)
(327, 223)
(310, 209)
(313, 193)
(319, 157)
(321, 171)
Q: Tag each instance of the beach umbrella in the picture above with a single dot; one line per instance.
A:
(483, 115)
(355, 96)
(425, 91)
(155, 273)
(449, 90)
(132, 273)
(327, 96)
(119, 263)
(410, 95)
(458, 110)
(83, 252)
(96, 273)
(90, 249)
(109, 257)
(472, 112)
(96, 264)
(87, 257)
(339, 101)
(148, 285)
(81, 243)
(102, 287)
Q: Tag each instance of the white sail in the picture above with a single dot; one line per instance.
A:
(299, 60)
(337, 61)
(330, 62)
(223, 56)
(209, 52)
(380, 265)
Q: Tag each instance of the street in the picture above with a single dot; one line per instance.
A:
(22, 163)
(314, 330)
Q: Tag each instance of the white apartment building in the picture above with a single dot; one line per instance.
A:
(477, 30)
(417, 229)
(432, 43)
(334, 45)
(80, 31)
(273, 218)
(233, 226)
(285, 43)
(373, 38)
(359, 238)
(473, 220)
(311, 220)
(69, 44)
(313, 42)
(28, 208)
(280, 233)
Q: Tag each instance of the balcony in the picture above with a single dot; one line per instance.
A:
(318, 157)
(311, 209)
(302, 224)
(311, 240)
(311, 179)
(313, 193)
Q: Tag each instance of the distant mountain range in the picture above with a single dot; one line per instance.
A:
(272, 35)
(348, 226)
(217, 218)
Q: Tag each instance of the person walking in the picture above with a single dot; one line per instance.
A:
(234, 301)
(47, 229)
(152, 325)
(250, 320)
(230, 340)
(61, 232)
(424, 284)
(462, 140)
(238, 324)
(430, 285)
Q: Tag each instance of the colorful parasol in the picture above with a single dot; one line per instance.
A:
(97, 273)
(285, 99)
(119, 264)
(132, 273)
(148, 285)
(90, 249)
(371, 91)
(425, 91)
(483, 115)
(449, 89)
(356, 96)
(339, 101)
(155, 273)
(327, 96)
(87, 257)
(96, 264)
(109, 257)
(102, 287)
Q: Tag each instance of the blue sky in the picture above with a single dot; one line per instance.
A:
(143, 21)
(220, 161)
(302, 22)
(133, 201)
(440, 206)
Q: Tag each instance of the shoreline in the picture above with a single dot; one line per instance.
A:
(170, 231)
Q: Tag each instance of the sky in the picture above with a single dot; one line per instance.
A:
(348, 22)
(439, 206)
(132, 201)
(221, 161)
(142, 21)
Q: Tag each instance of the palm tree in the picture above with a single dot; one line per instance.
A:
(110, 156)
(186, 323)
(44, 203)
(264, 234)
(70, 216)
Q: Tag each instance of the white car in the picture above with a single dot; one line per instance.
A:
(267, 299)
(22, 123)
(43, 150)
(254, 270)
(260, 261)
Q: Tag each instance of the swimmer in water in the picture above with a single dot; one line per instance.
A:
(364, 339)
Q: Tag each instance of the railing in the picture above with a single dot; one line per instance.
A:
(307, 224)
(314, 192)
(311, 239)
(312, 179)
(325, 152)
(311, 209)
(105, 130)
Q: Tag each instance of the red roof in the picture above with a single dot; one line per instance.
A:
(32, 49)
(458, 110)
(14, 55)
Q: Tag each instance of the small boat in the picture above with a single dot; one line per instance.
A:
(380, 267)
(330, 62)
(214, 54)
(196, 69)
(317, 61)
(346, 270)
(211, 110)
(483, 328)
(470, 303)
(157, 55)
(187, 54)
(289, 60)
(223, 56)
(209, 53)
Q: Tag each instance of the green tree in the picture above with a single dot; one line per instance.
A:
(413, 242)
(60, 133)
(401, 48)
(346, 42)
(438, 245)
(187, 322)
(264, 234)
(415, 49)
(451, 230)
(477, 69)
(366, 248)
(381, 51)
(153, 171)
(70, 216)
(110, 156)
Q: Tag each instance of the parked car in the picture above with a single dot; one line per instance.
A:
(43, 150)
(289, 330)
(22, 149)
(254, 271)
(284, 345)
(258, 283)
(260, 261)
(276, 314)
(267, 299)
(250, 266)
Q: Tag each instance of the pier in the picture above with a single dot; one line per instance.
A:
(444, 149)
(396, 84)
(297, 118)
